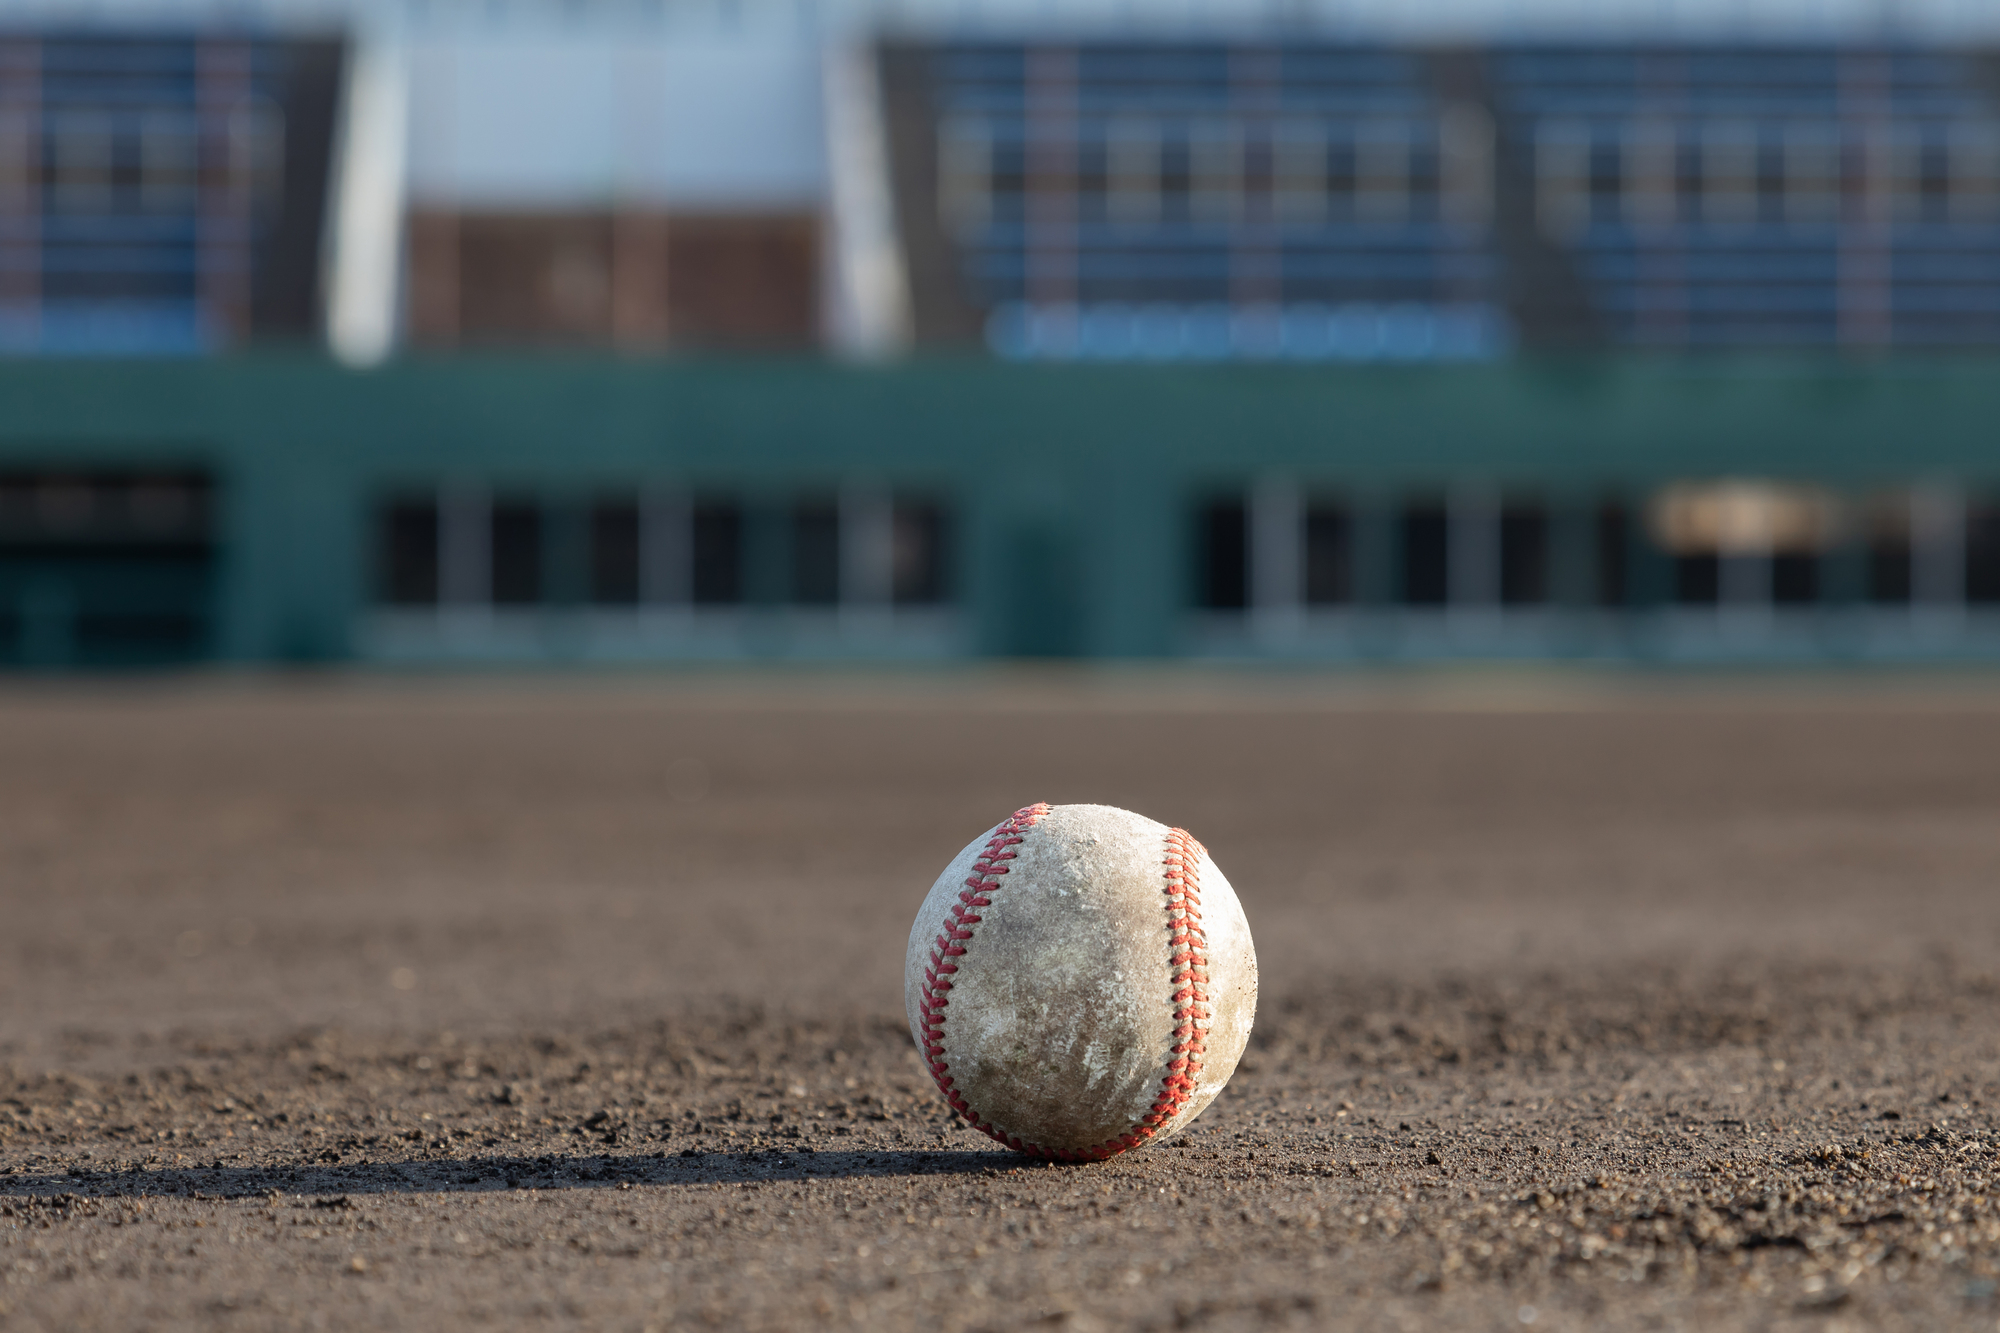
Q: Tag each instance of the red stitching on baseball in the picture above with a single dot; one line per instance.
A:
(950, 944)
(1187, 955)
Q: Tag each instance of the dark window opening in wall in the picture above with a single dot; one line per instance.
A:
(1889, 567)
(407, 555)
(1426, 554)
(1697, 580)
(614, 552)
(1794, 578)
(129, 511)
(106, 567)
(517, 553)
(1524, 554)
(1225, 556)
(1982, 552)
(1329, 555)
(718, 554)
(816, 553)
(101, 635)
(917, 575)
(1613, 532)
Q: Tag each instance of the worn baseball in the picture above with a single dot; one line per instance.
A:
(1080, 981)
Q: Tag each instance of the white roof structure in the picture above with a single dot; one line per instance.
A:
(1434, 20)
(711, 121)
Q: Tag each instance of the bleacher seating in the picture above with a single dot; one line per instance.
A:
(141, 173)
(1747, 196)
(1188, 200)
(1162, 191)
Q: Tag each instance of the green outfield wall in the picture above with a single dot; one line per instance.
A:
(1075, 497)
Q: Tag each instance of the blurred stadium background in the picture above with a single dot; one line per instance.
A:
(644, 330)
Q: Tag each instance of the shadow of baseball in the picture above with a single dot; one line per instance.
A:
(467, 1174)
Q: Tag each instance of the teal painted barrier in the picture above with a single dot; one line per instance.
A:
(1073, 489)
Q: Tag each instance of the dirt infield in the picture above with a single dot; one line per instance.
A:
(415, 1004)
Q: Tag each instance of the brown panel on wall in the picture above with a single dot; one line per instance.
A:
(433, 279)
(639, 252)
(743, 282)
(535, 279)
(633, 280)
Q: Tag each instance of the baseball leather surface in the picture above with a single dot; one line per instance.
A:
(1080, 980)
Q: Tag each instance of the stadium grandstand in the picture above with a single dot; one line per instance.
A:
(628, 331)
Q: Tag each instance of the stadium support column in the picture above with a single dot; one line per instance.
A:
(465, 555)
(1039, 571)
(930, 168)
(1649, 570)
(1545, 294)
(1574, 577)
(1843, 573)
(867, 314)
(666, 549)
(1377, 567)
(364, 254)
(867, 558)
(295, 548)
(1743, 562)
(1132, 566)
(1472, 550)
(1937, 558)
(566, 552)
(1743, 591)
(767, 568)
(1277, 561)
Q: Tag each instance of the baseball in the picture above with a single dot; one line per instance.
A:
(1080, 981)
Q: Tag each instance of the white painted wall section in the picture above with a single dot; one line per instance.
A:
(704, 123)
(364, 248)
(867, 313)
